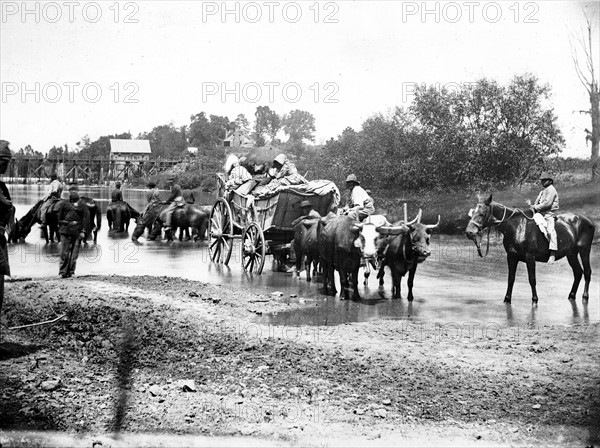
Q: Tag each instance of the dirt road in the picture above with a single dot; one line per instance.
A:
(194, 363)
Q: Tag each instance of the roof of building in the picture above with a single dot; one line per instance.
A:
(129, 146)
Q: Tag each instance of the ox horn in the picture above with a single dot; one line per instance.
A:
(416, 220)
(433, 226)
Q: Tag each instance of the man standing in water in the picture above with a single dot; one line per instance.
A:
(73, 220)
(6, 214)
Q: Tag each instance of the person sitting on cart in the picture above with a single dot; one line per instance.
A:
(174, 201)
(282, 173)
(236, 174)
(359, 204)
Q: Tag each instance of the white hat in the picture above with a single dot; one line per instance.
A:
(231, 161)
(281, 158)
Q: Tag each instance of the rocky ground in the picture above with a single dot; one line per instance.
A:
(164, 359)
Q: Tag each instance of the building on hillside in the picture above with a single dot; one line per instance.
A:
(238, 139)
(126, 156)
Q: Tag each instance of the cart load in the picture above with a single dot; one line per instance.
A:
(264, 222)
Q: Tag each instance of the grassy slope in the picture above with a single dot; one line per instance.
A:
(576, 195)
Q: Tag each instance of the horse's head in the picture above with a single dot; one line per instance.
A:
(480, 217)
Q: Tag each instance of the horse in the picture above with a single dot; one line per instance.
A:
(23, 226)
(183, 217)
(524, 241)
(118, 215)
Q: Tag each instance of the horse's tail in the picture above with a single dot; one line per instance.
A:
(585, 231)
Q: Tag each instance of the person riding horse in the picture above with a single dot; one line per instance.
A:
(53, 194)
(174, 201)
(547, 204)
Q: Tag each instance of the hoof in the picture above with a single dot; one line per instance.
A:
(585, 298)
(534, 300)
(571, 296)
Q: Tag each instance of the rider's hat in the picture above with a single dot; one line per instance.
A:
(352, 178)
(305, 203)
(546, 175)
(151, 184)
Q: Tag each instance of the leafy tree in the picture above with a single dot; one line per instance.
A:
(208, 132)
(267, 124)
(299, 125)
(166, 141)
(478, 135)
(242, 124)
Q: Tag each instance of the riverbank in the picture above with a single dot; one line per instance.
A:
(576, 194)
(197, 364)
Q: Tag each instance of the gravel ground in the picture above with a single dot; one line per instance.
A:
(164, 359)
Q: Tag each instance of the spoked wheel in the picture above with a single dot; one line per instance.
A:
(253, 249)
(220, 236)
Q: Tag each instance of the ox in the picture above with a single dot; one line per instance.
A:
(343, 243)
(402, 247)
(306, 245)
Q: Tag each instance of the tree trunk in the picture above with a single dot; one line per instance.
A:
(595, 110)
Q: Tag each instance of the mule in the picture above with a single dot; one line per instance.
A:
(524, 241)
(183, 217)
(23, 226)
(118, 215)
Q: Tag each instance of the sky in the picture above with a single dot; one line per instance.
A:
(69, 69)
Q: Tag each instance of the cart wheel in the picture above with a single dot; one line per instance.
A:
(253, 249)
(220, 235)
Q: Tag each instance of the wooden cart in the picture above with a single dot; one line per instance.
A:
(263, 225)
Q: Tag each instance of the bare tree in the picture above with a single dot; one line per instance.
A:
(583, 58)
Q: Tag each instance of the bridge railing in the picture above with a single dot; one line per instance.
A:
(94, 170)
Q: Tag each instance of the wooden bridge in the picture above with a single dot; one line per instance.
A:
(93, 171)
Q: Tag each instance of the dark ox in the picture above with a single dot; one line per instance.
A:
(342, 245)
(402, 247)
(523, 241)
(306, 245)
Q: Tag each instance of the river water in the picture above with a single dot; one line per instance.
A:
(454, 286)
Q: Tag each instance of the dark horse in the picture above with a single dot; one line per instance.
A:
(523, 241)
(118, 215)
(183, 217)
(23, 226)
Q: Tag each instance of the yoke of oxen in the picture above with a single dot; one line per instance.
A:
(377, 220)
(393, 230)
